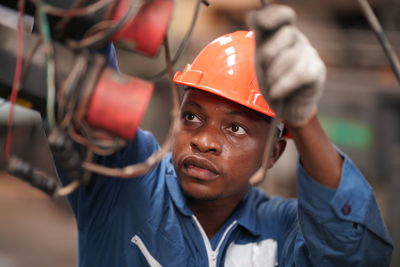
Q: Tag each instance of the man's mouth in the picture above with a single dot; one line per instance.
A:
(199, 168)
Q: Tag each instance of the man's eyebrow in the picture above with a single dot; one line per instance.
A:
(236, 113)
(231, 112)
(196, 105)
(243, 114)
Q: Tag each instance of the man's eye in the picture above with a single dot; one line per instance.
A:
(238, 130)
(191, 117)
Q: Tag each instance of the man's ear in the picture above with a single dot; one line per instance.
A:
(277, 151)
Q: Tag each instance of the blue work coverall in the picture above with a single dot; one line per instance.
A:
(145, 221)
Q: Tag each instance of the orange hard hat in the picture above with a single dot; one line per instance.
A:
(225, 67)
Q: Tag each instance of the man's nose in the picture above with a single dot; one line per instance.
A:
(207, 140)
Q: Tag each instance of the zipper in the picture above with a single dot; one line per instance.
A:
(212, 254)
(146, 253)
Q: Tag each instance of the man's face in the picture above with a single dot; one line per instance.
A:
(219, 146)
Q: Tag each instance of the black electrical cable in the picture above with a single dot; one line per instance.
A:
(66, 153)
(26, 172)
(74, 11)
(98, 38)
(65, 20)
(261, 174)
(205, 2)
(185, 40)
(380, 34)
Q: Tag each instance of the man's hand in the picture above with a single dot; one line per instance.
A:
(289, 70)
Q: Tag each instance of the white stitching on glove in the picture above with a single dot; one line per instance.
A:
(287, 66)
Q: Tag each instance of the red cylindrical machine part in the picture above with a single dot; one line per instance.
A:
(118, 103)
(146, 31)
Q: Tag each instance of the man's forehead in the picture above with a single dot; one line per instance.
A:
(202, 100)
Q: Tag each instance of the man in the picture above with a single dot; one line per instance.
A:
(196, 207)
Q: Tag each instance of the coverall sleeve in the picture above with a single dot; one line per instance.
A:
(93, 203)
(341, 227)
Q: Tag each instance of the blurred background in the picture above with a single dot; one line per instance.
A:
(360, 111)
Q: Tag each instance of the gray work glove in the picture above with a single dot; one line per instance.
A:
(289, 70)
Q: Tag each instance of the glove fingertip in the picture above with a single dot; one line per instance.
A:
(275, 92)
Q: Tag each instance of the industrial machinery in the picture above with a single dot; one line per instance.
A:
(66, 69)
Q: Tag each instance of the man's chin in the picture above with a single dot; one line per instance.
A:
(202, 195)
